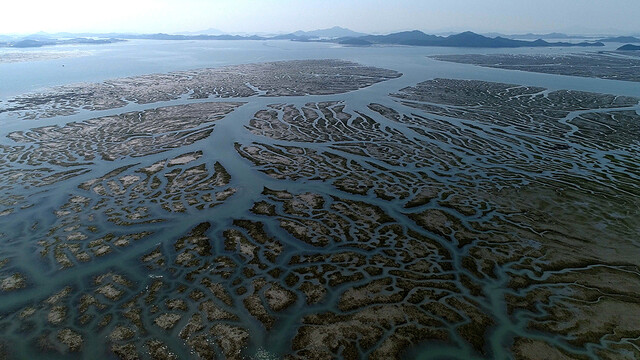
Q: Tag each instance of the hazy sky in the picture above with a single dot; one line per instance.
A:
(511, 16)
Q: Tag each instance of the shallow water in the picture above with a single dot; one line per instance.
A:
(45, 277)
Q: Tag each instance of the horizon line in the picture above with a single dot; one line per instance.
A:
(276, 33)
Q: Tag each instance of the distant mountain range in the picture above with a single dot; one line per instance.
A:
(335, 35)
(621, 39)
(31, 43)
(465, 39)
(161, 36)
(332, 33)
(210, 31)
(531, 36)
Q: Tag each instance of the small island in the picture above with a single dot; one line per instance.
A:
(629, 47)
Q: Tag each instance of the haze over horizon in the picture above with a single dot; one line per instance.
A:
(369, 16)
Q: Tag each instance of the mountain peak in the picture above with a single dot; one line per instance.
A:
(465, 39)
(468, 34)
(334, 32)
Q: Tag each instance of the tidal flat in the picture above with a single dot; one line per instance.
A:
(291, 78)
(604, 65)
(319, 209)
(29, 56)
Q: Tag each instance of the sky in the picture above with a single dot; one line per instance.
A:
(278, 16)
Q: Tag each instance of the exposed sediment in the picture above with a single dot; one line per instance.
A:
(283, 78)
(514, 170)
(603, 65)
(462, 214)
